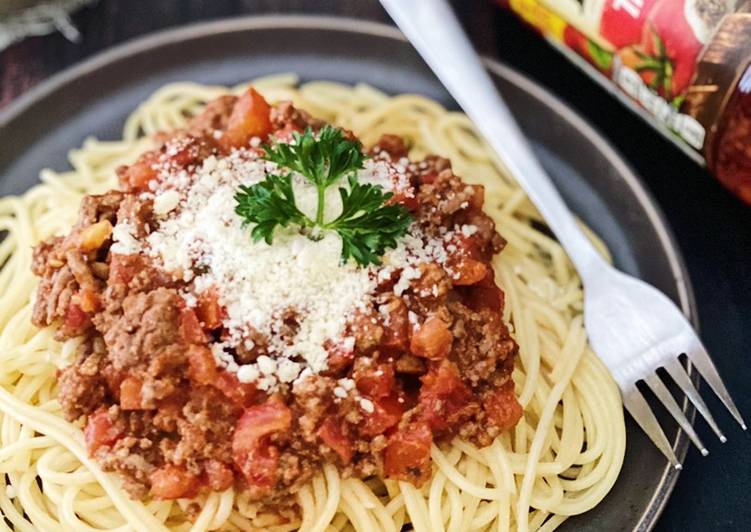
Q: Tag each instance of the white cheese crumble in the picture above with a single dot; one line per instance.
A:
(248, 373)
(381, 172)
(346, 384)
(189, 299)
(413, 250)
(468, 230)
(124, 239)
(367, 405)
(266, 364)
(166, 202)
(288, 370)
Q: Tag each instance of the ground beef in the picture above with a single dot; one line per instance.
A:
(286, 116)
(54, 296)
(482, 345)
(147, 323)
(312, 398)
(95, 208)
(205, 421)
(81, 387)
(214, 116)
(64, 270)
(160, 413)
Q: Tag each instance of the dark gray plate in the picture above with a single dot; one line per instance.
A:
(95, 97)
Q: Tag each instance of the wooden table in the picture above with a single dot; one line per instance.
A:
(712, 228)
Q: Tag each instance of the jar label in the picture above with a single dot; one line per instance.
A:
(676, 62)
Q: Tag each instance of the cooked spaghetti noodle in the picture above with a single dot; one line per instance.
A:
(560, 460)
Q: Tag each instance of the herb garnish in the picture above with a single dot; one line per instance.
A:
(366, 225)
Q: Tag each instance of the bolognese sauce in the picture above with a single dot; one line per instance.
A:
(209, 361)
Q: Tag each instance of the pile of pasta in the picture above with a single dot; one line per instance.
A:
(560, 460)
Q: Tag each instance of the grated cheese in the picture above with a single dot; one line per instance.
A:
(124, 238)
(260, 284)
(379, 171)
(248, 373)
(263, 288)
(367, 405)
(468, 230)
(166, 202)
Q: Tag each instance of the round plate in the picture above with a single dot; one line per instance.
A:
(95, 97)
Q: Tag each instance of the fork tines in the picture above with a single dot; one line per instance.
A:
(642, 413)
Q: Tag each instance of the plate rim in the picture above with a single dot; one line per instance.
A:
(657, 219)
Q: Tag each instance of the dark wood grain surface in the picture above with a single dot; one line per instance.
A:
(712, 228)
(114, 21)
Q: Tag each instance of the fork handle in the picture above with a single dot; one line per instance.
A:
(432, 28)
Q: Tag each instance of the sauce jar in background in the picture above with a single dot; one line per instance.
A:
(683, 65)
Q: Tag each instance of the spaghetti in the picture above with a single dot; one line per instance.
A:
(560, 460)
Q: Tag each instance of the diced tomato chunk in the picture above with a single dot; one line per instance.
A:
(130, 393)
(340, 357)
(250, 118)
(395, 327)
(407, 198)
(432, 339)
(484, 294)
(260, 465)
(75, 318)
(241, 393)
(219, 476)
(123, 268)
(201, 365)
(209, 311)
(259, 421)
(387, 412)
(376, 381)
(445, 400)
(332, 435)
(253, 454)
(467, 246)
(478, 198)
(428, 178)
(138, 175)
(502, 407)
(407, 454)
(100, 430)
(190, 328)
(468, 272)
(173, 482)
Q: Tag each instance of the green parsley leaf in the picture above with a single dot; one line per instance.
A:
(322, 160)
(269, 204)
(367, 226)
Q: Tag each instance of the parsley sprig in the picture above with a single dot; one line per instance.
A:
(367, 225)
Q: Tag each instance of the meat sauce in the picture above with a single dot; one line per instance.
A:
(427, 365)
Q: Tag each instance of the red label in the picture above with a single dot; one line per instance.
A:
(623, 21)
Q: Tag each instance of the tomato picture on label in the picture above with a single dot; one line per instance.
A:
(671, 40)
(594, 54)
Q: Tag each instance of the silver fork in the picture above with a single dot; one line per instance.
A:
(633, 327)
